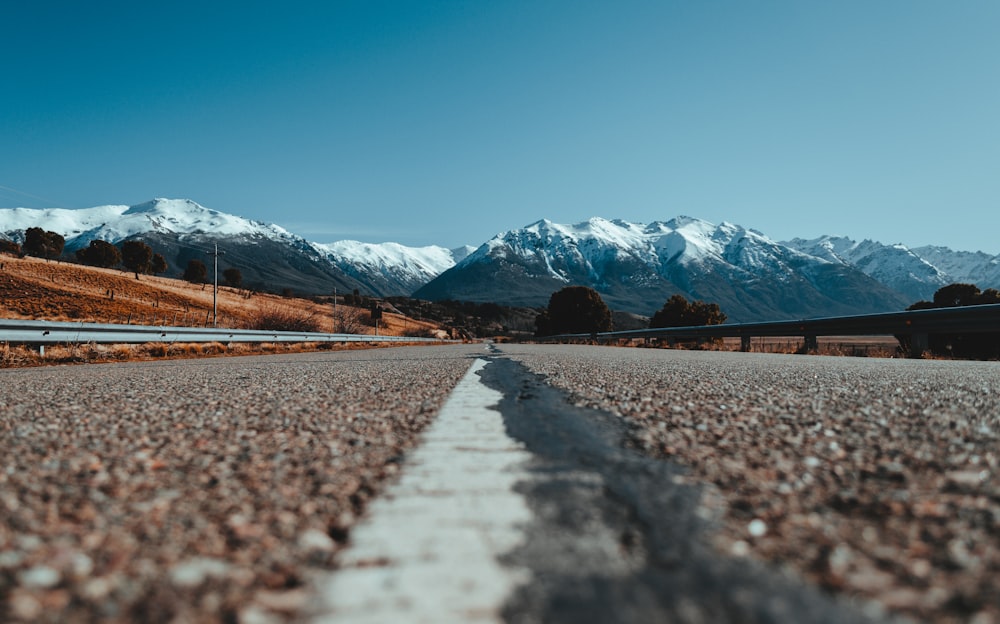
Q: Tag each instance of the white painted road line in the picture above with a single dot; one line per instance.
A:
(428, 549)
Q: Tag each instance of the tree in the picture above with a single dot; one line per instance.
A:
(347, 320)
(56, 245)
(980, 345)
(233, 277)
(954, 295)
(42, 244)
(34, 242)
(10, 247)
(679, 312)
(196, 272)
(574, 310)
(989, 296)
(100, 254)
(158, 265)
(136, 256)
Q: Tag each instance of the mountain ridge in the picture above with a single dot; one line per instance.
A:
(635, 266)
(185, 230)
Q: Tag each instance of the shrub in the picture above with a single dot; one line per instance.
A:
(574, 310)
(233, 277)
(284, 318)
(679, 312)
(196, 272)
(348, 320)
(979, 345)
(10, 247)
(100, 254)
(158, 265)
(136, 256)
(42, 244)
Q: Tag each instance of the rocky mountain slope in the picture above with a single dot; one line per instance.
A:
(268, 256)
(635, 266)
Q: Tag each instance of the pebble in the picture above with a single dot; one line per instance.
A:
(757, 528)
(194, 572)
(313, 539)
(892, 501)
(39, 577)
(199, 490)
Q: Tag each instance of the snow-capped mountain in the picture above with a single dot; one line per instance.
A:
(916, 272)
(268, 256)
(970, 267)
(636, 267)
(895, 266)
(115, 223)
(391, 268)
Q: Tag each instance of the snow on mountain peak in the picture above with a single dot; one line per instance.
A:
(598, 241)
(427, 261)
(396, 267)
(897, 265)
(115, 222)
(163, 205)
(559, 250)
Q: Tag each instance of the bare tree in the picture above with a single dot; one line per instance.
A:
(348, 320)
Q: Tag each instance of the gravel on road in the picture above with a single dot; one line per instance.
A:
(874, 478)
(198, 490)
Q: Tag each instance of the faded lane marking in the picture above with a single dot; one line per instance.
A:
(428, 549)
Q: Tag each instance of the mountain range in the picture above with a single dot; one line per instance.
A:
(636, 267)
(268, 256)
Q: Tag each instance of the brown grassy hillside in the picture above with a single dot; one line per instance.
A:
(31, 288)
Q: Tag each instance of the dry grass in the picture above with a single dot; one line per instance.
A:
(854, 346)
(32, 288)
(273, 317)
(19, 356)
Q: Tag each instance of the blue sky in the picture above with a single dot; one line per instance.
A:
(431, 122)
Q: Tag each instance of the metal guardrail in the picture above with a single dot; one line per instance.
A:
(917, 324)
(56, 332)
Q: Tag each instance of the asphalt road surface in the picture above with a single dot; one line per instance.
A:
(510, 483)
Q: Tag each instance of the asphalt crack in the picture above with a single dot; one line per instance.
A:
(617, 536)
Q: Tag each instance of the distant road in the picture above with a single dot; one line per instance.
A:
(591, 484)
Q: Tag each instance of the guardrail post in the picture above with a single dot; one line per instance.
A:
(919, 343)
(812, 344)
(745, 344)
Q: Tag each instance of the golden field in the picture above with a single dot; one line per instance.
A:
(32, 288)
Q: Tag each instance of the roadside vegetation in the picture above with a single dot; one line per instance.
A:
(580, 310)
(105, 287)
(966, 346)
(32, 288)
(574, 310)
(471, 319)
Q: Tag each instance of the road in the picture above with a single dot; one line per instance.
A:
(512, 483)
(874, 479)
